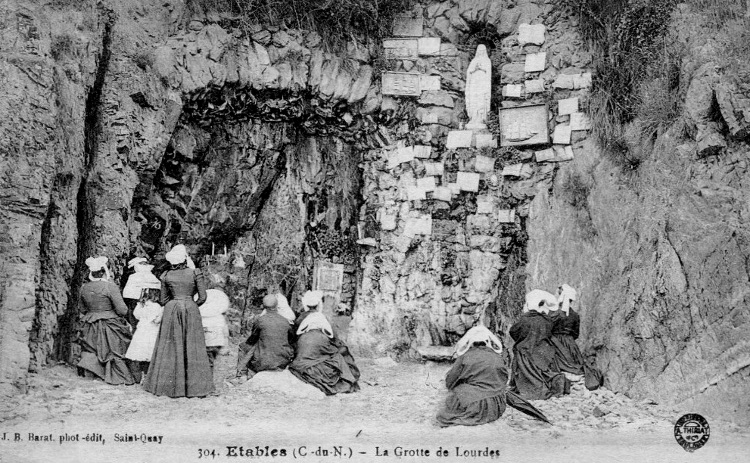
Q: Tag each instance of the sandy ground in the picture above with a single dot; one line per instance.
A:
(393, 412)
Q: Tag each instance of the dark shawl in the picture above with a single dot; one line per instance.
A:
(535, 374)
(477, 381)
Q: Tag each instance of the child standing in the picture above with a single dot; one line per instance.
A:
(215, 326)
(148, 312)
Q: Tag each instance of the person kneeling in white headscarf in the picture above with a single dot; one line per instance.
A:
(535, 374)
(323, 360)
(477, 381)
(566, 325)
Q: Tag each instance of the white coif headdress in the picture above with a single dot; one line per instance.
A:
(478, 334)
(217, 303)
(315, 321)
(535, 298)
(137, 260)
(567, 294)
(140, 280)
(311, 299)
(178, 255)
(95, 264)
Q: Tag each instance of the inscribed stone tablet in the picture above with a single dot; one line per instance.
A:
(535, 62)
(563, 153)
(443, 193)
(401, 83)
(544, 155)
(407, 26)
(424, 225)
(393, 159)
(579, 121)
(400, 48)
(582, 80)
(567, 106)
(434, 168)
(430, 118)
(402, 243)
(506, 216)
(524, 125)
(459, 139)
(557, 153)
(429, 82)
(561, 135)
(429, 46)
(531, 34)
(468, 181)
(328, 276)
(485, 205)
(534, 86)
(517, 170)
(484, 164)
(388, 222)
(418, 226)
(400, 155)
(484, 140)
(422, 151)
(513, 90)
(414, 193)
(564, 81)
(426, 183)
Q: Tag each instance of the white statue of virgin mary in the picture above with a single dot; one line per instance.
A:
(478, 89)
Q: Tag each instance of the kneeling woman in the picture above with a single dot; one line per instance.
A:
(105, 335)
(535, 371)
(477, 381)
(322, 360)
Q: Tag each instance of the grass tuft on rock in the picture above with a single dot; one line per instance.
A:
(638, 62)
(338, 21)
(62, 46)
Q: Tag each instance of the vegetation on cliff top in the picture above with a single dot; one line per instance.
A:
(335, 20)
(638, 63)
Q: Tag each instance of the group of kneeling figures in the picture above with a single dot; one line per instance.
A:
(181, 329)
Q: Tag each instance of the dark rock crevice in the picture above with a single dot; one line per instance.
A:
(85, 198)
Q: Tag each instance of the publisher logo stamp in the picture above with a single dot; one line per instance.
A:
(691, 431)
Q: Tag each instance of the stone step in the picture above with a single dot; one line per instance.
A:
(436, 353)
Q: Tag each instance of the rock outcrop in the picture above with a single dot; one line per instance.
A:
(660, 256)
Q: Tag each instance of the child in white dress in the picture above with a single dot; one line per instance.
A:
(148, 312)
(215, 326)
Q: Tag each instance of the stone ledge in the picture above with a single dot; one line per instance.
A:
(436, 353)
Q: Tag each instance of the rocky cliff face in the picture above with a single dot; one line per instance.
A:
(660, 255)
(135, 125)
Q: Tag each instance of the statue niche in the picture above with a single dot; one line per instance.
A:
(478, 89)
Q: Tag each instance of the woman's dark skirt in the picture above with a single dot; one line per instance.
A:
(103, 346)
(333, 375)
(457, 413)
(180, 365)
(536, 375)
(568, 355)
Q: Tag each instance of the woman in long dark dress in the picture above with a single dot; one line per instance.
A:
(477, 381)
(565, 330)
(535, 374)
(322, 360)
(179, 365)
(105, 335)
